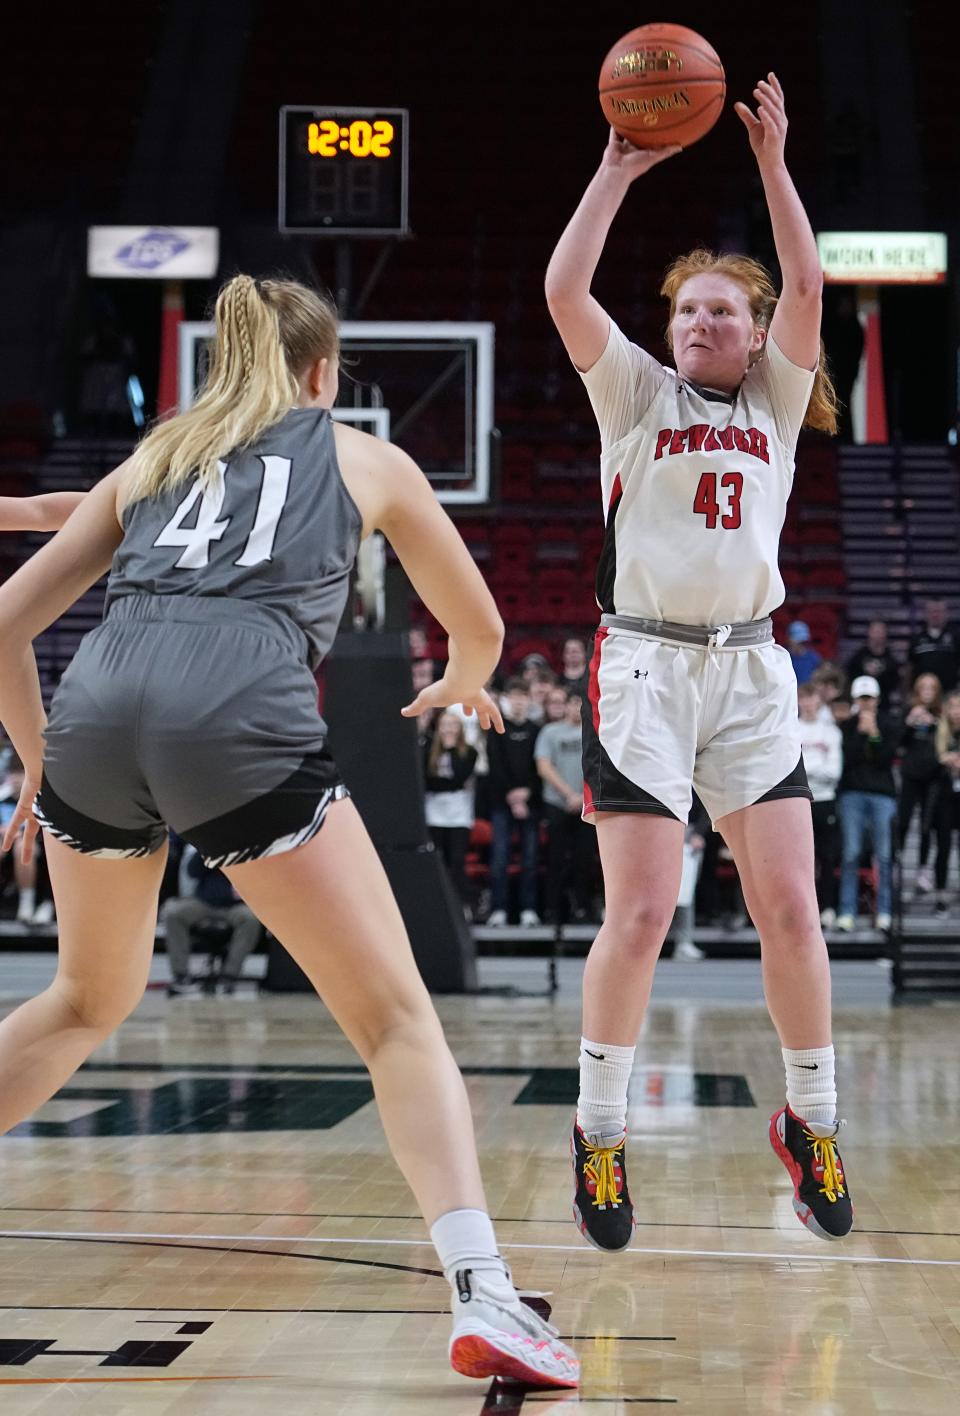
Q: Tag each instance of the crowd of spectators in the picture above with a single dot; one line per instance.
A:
(881, 747)
(880, 741)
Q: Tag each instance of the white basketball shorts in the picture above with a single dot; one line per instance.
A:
(663, 719)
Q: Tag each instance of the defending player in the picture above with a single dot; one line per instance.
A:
(687, 685)
(231, 532)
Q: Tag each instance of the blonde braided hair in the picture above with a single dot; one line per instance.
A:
(240, 290)
(267, 335)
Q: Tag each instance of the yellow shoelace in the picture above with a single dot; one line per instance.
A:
(599, 1168)
(825, 1154)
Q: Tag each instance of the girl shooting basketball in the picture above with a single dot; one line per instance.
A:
(688, 689)
(231, 532)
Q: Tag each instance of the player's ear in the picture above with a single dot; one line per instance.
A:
(319, 377)
(759, 339)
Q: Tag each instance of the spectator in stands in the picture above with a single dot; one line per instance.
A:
(935, 649)
(805, 659)
(555, 705)
(514, 806)
(417, 639)
(571, 843)
(422, 673)
(575, 673)
(449, 766)
(840, 709)
(868, 801)
(533, 664)
(920, 769)
(822, 748)
(206, 895)
(540, 683)
(947, 813)
(877, 660)
(831, 683)
(24, 872)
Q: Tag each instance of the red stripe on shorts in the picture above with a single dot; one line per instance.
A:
(593, 688)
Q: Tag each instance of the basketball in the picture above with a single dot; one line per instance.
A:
(662, 84)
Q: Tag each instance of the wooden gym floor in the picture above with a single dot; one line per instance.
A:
(206, 1219)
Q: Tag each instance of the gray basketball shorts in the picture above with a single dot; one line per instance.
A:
(194, 713)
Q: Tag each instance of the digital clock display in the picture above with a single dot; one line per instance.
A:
(360, 139)
(343, 171)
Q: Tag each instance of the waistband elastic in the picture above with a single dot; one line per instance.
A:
(723, 636)
(209, 610)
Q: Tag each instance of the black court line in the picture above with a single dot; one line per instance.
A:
(226, 1249)
(324, 1312)
(497, 1219)
(150, 1308)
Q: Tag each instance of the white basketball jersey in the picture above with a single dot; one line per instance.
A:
(695, 485)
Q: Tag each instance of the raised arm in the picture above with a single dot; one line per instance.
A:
(796, 321)
(44, 513)
(582, 321)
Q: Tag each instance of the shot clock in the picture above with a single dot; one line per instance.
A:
(343, 171)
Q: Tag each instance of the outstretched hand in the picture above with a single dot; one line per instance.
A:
(628, 161)
(23, 817)
(767, 128)
(441, 694)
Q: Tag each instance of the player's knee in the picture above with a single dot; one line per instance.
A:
(98, 1007)
(639, 925)
(792, 917)
(396, 1022)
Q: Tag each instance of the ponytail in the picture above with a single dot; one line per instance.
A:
(267, 334)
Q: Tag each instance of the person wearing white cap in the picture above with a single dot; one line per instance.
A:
(868, 800)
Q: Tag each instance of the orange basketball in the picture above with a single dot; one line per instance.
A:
(662, 84)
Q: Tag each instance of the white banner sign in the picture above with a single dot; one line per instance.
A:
(883, 257)
(153, 252)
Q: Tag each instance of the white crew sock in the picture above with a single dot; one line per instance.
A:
(811, 1087)
(464, 1239)
(604, 1075)
(26, 903)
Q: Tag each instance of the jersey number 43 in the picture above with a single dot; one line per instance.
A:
(705, 501)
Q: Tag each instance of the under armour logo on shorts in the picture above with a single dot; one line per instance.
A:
(640, 673)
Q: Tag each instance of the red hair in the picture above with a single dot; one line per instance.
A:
(757, 284)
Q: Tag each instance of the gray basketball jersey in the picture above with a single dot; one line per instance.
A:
(280, 528)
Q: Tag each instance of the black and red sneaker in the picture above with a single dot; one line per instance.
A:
(601, 1201)
(809, 1151)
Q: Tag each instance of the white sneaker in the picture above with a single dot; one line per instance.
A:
(828, 918)
(495, 1335)
(845, 923)
(44, 913)
(496, 919)
(686, 949)
(529, 919)
(25, 911)
(924, 881)
(883, 922)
